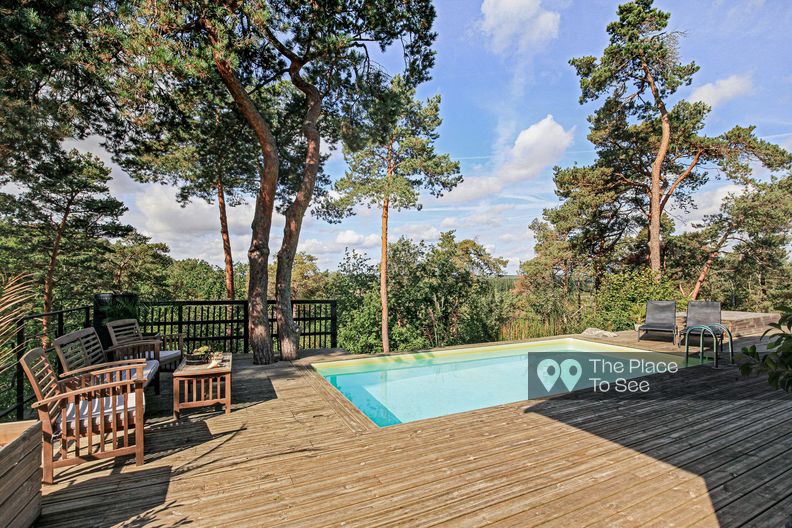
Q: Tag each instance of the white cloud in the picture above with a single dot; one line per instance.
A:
(450, 222)
(535, 149)
(510, 237)
(418, 232)
(519, 25)
(722, 90)
(487, 215)
(709, 202)
(347, 238)
(353, 238)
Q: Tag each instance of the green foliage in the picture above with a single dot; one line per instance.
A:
(51, 82)
(606, 209)
(639, 45)
(615, 303)
(399, 159)
(57, 225)
(138, 265)
(777, 363)
(307, 281)
(195, 280)
(747, 240)
(439, 295)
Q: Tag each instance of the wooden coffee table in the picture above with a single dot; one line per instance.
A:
(201, 386)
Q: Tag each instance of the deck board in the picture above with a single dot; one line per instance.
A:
(715, 449)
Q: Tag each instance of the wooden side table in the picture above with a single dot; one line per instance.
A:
(201, 386)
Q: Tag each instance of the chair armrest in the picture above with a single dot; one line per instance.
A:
(100, 367)
(137, 383)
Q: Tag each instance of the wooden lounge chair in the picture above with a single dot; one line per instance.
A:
(127, 331)
(705, 313)
(81, 351)
(660, 317)
(95, 413)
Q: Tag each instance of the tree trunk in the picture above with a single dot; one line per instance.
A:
(258, 253)
(49, 278)
(229, 258)
(288, 332)
(655, 211)
(384, 277)
(708, 265)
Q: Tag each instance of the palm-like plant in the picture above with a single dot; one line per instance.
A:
(16, 293)
(777, 363)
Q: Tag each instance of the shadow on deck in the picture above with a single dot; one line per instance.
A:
(710, 449)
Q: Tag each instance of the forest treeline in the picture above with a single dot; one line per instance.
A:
(230, 102)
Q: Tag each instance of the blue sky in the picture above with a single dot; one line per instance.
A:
(510, 113)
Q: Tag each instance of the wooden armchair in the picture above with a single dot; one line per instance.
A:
(99, 412)
(81, 351)
(169, 346)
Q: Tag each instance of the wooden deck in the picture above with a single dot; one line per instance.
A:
(709, 449)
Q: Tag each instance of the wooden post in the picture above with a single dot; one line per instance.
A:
(245, 335)
(180, 320)
(333, 324)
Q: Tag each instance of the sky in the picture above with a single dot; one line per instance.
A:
(510, 113)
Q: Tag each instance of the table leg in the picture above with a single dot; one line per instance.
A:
(176, 396)
(228, 393)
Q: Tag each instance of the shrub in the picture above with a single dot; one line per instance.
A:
(777, 363)
(623, 294)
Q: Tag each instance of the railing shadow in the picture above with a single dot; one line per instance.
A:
(112, 496)
(727, 431)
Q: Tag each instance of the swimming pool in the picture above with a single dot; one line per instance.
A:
(403, 388)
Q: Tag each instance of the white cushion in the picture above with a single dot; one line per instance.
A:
(98, 408)
(166, 356)
(150, 370)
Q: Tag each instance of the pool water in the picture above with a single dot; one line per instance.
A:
(398, 389)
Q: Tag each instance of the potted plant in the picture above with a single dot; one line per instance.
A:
(20, 473)
(20, 442)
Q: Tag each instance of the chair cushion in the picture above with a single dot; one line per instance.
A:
(168, 356)
(99, 408)
(150, 370)
(658, 327)
(715, 330)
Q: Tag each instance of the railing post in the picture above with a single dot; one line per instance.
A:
(245, 331)
(59, 330)
(20, 375)
(333, 324)
(179, 319)
(87, 321)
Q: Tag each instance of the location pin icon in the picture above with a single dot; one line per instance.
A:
(548, 372)
(570, 373)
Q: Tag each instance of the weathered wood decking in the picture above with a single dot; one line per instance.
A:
(713, 449)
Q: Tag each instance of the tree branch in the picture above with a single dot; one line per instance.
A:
(680, 179)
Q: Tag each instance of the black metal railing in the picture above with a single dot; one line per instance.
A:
(220, 324)
(35, 330)
(224, 324)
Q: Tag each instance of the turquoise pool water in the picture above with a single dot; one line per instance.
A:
(404, 388)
